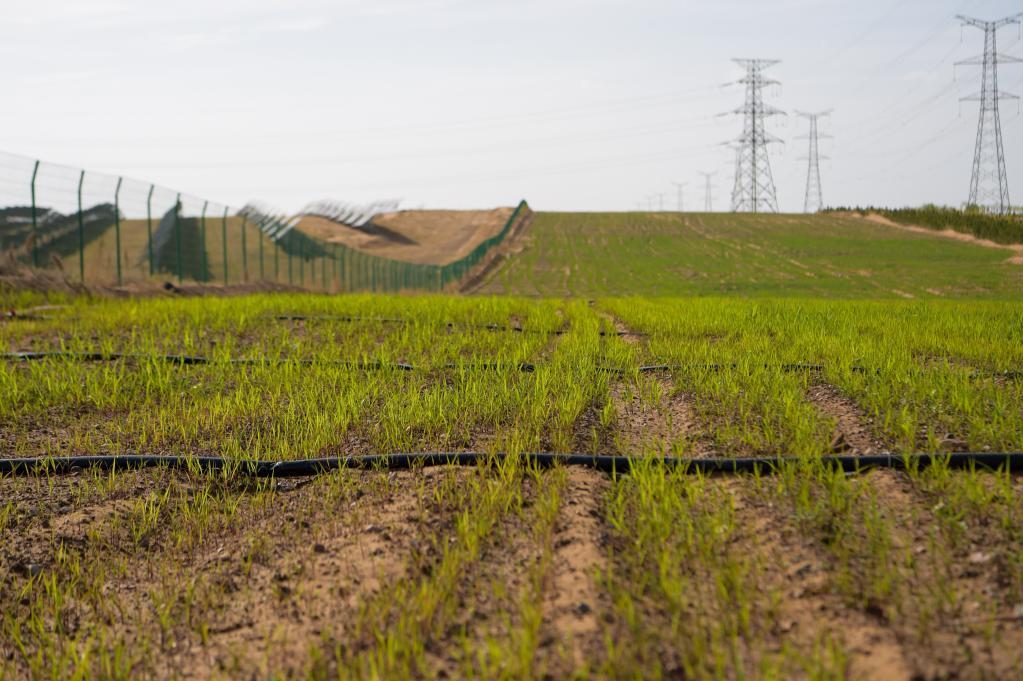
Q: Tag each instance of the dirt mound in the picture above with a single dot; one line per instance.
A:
(428, 237)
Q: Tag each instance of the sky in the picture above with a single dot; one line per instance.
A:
(571, 104)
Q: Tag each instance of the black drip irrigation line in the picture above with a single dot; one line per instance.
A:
(525, 367)
(787, 368)
(194, 360)
(100, 357)
(17, 317)
(1012, 462)
(341, 318)
(448, 325)
(662, 368)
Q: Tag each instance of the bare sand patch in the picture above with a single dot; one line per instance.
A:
(951, 234)
(426, 237)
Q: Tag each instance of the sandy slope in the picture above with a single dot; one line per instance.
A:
(434, 237)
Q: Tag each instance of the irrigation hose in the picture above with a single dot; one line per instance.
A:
(448, 325)
(526, 367)
(1012, 462)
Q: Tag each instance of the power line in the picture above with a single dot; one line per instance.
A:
(910, 115)
(754, 189)
(921, 106)
(909, 151)
(908, 154)
(878, 23)
(888, 66)
(989, 186)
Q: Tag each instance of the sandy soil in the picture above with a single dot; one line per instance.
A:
(1016, 259)
(433, 237)
(853, 432)
(570, 633)
(796, 567)
(644, 427)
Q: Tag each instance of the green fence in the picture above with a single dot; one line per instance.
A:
(104, 230)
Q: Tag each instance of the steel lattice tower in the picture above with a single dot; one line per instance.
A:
(736, 171)
(989, 187)
(754, 184)
(680, 186)
(708, 195)
(814, 195)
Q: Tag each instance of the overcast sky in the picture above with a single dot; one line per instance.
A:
(572, 104)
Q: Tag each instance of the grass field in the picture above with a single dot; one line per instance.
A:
(504, 570)
(750, 256)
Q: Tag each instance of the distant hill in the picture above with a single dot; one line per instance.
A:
(835, 256)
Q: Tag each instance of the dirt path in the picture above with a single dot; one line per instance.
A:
(653, 416)
(854, 433)
(1017, 249)
(570, 634)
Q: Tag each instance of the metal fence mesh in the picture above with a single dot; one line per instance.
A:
(99, 229)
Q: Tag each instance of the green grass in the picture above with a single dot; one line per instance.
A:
(369, 575)
(667, 254)
(927, 372)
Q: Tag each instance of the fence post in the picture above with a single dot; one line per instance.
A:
(81, 230)
(323, 272)
(177, 230)
(117, 227)
(333, 267)
(245, 250)
(291, 280)
(348, 269)
(223, 238)
(149, 227)
(203, 263)
(262, 274)
(35, 225)
(301, 263)
(277, 259)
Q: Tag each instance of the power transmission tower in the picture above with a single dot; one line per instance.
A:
(708, 191)
(754, 184)
(989, 187)
(736, 171)
(680, 186)
(660, 197)
(814, 196)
